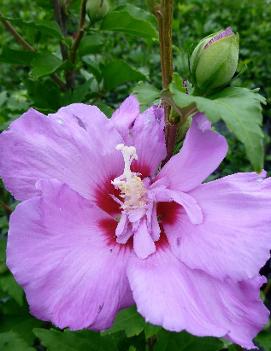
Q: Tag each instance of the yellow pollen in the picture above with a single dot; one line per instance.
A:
(129, 183)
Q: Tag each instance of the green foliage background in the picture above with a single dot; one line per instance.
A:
(114, 56)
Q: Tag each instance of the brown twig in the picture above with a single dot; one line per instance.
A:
(80, 32)
(60, 10)
(164, 15)
(60, 17)
(20, 40)
(24, 44)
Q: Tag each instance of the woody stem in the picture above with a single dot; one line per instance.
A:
(164, 15)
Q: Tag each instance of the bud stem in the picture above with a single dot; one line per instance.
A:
(164, 15)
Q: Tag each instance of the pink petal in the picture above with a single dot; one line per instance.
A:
(234, 240)
(76, 146)
(143, 242)
(125, 115)
(147, 135)
(202, 152)
(59, 252)
(190, 205)
(169, 294)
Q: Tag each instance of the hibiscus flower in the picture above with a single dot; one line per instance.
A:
(102, 227)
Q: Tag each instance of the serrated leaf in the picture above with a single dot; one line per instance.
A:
(117, 72)
(185, 342)
(146, 94)
(239, 108)
(130, 20)
(9, 286)
(55, 340)
(129, 321)
(44, 65)
(10, 341)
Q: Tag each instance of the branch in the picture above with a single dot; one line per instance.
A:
(21, 41)
(164, 14)
(60, 10)
(60, 17)
(80, 32)
(59, 82)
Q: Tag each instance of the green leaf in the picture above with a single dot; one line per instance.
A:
(129, 321)
(48, 28)
(146, 93)
(130, 20)
(21, 323)
(151, 330)
(94, 68)
(3, 268)
(10, 341)
(44, 65)
(185, 342)
(264, 340)
(78, 94)
(117, 72)
(17, 57)
(239, 108)
(91, 44)
(3, 245)
(55, 340)
(9, 286)
(49, 100)
(3, 98)
(105, 108)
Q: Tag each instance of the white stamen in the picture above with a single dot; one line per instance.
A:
(129, 183)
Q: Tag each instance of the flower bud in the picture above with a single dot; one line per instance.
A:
(214, 60)
(97, 9)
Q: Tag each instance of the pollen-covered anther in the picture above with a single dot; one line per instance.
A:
(129, 183)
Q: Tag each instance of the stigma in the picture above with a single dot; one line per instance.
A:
(131, 186)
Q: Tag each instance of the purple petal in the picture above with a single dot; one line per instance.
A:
(76, 146)
(223, 34)
(147, 135)
(125, 115)
(143, 242)
(190, 205)
(58, 251)
(234, 239)
(202, 152)
(169, 294)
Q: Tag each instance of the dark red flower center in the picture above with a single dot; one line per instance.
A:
(166, 211)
